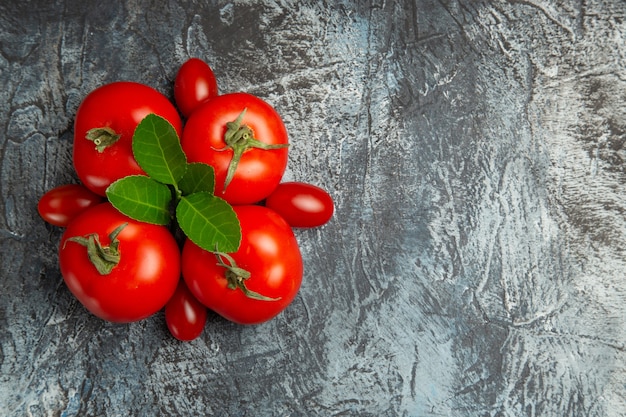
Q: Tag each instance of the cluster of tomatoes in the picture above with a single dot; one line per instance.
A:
(124, 269)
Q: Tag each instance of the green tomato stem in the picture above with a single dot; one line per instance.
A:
(103, 258)
(237, 276)
(239, 138)
(102, 137)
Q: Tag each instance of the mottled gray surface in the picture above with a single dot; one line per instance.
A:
(476, 262)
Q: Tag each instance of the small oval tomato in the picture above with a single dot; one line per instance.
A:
(61, 204)
(301, 205)
(185, 316)
(194, 84)
(120, 269)
(104, 127)
(255, 283)
(244, 139)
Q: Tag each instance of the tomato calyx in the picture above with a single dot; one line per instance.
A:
(239, 138)
(103, 258)
(237, 276)
(102, 137)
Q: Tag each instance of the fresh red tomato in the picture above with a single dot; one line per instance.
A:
(61, 204)
(244, 139)
(129, 275)
(195, 83)
(184, 314)
(104, 127)
(255, 283)
(301, 205)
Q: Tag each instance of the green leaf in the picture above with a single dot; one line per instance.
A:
(156, 147)
(141, 198)
(209, 222)
(198, 177)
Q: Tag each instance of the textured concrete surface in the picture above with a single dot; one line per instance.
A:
(476, 263)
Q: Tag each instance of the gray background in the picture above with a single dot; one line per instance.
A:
(475, 265)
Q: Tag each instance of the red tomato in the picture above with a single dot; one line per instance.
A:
(143, 279)
(184, 314)
(258, 171)
(301, 205)
(195, 83)
(114, 109)
(61, 204)
(270, 254)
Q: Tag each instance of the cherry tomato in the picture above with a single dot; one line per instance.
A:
(61, 204)
(195, 83)
(301, 205)
(236, 127)
(184, 314)
(101, 156)
(130, 275)
(269, 253)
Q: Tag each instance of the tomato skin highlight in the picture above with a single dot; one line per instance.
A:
(194, 84)
(139, 285)
(120, 106)
(60, 205)
(301, 205)
(259, 171)
(185, 316)
(269, 251)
